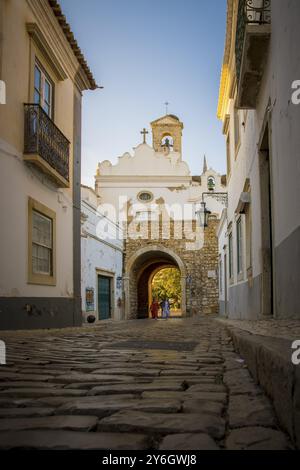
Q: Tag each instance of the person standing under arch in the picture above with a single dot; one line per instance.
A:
(166, 308)
(154, 309)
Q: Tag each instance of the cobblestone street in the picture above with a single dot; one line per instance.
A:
(167, 384)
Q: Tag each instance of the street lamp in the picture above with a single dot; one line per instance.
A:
(202, 215)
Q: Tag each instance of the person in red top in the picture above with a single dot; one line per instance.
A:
(154, 309)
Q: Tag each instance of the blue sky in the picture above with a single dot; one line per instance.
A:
(145, 53)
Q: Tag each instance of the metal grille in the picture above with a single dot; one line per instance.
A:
(256, 12)
(42, 137)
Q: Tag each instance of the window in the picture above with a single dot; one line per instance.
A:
(145, 196)
(236, 129)
(230, 247)
(248, 223)
(228, 155)
(142, 216)
(41, 244)
(167, 141)
(239, 242)
(211, 184)
(43, 90)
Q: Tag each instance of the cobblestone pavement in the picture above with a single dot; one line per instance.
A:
(166, 384)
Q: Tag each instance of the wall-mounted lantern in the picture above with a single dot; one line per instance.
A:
(202, 215)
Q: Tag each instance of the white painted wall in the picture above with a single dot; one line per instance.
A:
(167, 177)
(281, 69)
(284, 69)
(97, 254)
(18, 182)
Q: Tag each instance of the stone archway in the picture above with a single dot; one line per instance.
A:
(138, 270)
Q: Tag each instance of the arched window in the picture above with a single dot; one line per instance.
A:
(167, 141)
(211, 184)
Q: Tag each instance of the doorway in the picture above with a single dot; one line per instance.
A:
(225, 287)
(104, 297)
(267, 292)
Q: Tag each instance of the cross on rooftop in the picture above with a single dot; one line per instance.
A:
(144, 132)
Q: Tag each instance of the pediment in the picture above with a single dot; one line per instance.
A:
(168, 119)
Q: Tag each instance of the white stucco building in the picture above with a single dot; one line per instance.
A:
(259, 242)
(101, 261)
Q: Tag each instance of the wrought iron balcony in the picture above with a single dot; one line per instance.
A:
(45, 145)
(251, 47)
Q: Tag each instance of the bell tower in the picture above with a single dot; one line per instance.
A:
(167, 133)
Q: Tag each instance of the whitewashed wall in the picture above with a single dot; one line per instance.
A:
(14, 192)
(99, 255)
(275, 97)
(168, 178)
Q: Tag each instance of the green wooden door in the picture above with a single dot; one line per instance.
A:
(104, 298)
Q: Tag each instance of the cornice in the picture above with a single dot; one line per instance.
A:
(144, 178)
(40, 40)
(225, 72)
(53, 35)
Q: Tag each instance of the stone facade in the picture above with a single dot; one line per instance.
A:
(168, 126)
(198, 268)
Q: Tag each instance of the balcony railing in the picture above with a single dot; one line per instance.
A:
(45, 144)
(256, 12)
(253, 16)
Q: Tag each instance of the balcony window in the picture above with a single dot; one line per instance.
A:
(43, 90)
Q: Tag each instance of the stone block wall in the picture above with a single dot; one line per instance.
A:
(199, 265)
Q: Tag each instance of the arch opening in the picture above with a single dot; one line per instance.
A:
(167, 141)
(142, 269)
(165, 283)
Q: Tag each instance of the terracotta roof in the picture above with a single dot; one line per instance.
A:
(72, 41)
